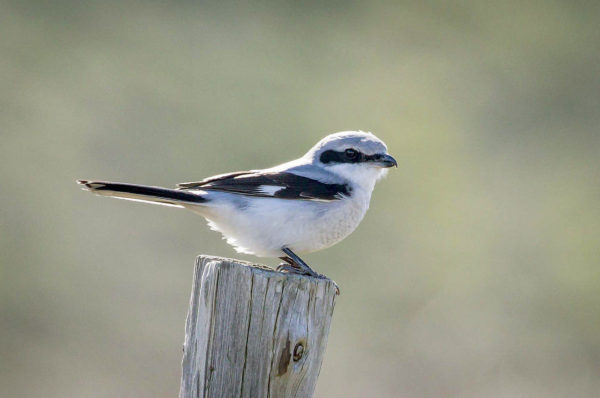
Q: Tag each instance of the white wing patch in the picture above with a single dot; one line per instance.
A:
(270, 190)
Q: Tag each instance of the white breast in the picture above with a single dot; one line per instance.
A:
(262, 226)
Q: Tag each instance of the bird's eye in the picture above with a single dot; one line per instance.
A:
(351, 153)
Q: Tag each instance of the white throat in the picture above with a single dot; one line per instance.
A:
(360, 175)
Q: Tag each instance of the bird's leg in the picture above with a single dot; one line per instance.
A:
(297, 266)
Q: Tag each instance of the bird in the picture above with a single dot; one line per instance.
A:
(297, 207)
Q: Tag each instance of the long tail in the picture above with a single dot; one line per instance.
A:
(142, 193)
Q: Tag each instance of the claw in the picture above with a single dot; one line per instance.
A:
(294, 265)
(285, 267)
(292, 268)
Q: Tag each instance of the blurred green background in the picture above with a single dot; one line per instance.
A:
(476, 273)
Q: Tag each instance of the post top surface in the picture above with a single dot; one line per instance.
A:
(261, 268)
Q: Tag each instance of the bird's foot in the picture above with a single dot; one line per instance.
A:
(293, 268)
(290, 269)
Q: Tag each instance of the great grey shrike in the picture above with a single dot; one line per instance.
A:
(301, 206)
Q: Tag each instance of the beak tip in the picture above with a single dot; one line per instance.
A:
(390, 161)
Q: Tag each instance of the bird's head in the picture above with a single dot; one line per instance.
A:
(354, 155)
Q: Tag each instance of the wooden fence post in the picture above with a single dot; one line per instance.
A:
(253, 332)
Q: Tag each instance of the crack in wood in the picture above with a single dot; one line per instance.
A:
(247, 334)
(251, 332)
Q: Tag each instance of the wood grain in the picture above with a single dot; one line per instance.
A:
(253, 332)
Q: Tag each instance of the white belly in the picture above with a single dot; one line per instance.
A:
(265, 225)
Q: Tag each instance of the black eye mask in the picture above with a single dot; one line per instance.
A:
(347, 156)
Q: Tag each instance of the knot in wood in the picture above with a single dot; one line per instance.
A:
(298, 351)
(280, 315)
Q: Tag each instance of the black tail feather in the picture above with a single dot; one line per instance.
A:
(142, 191)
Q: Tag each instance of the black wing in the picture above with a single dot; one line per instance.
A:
(271, 185)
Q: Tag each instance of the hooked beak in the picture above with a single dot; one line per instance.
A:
(386, 161)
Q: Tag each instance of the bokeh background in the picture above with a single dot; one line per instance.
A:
(476, 273)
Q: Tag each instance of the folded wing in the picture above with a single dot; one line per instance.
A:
(280, 185)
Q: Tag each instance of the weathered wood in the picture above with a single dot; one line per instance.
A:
(253, 332)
